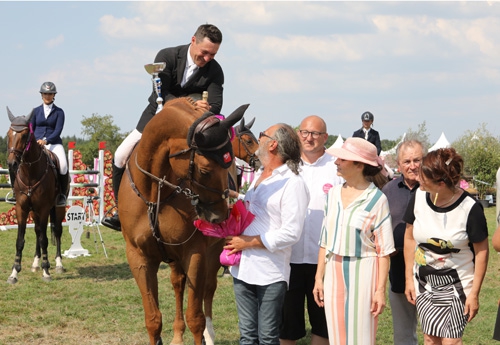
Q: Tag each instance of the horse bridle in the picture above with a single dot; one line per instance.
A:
(253, 156)
(195, 198)
(20, 154)
(153, 209)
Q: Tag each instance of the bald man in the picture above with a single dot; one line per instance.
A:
(320, 174)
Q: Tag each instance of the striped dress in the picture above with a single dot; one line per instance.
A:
(354, 237)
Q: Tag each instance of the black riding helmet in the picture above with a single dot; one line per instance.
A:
(367, 116)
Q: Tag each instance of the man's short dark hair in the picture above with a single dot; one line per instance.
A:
(209, 31)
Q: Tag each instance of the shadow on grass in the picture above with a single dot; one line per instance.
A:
(106, 272)
(119, 271)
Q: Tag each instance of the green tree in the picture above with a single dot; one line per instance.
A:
(481, 153)
(95, 129)
(331, 140)
(3, 152)
(388, 144)
(420, 134)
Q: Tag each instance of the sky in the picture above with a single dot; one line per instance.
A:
(406, 62)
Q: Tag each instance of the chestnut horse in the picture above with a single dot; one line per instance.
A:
(177, 172)
(244, 148)
(36, 189)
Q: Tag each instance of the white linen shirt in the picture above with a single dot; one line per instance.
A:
(319, 176)
(279, 204)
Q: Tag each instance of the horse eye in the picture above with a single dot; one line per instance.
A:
(249, 142)
(203, 172)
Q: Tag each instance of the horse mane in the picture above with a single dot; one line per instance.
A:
(188, 100)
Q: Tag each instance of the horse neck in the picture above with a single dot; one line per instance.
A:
(33, 156)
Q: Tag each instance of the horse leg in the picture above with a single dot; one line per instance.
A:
(35, 266)
(195, 318)
(178, 280)
(41, 234)
(145, 274)
(21, 232)
(212, 267)
(56, 216)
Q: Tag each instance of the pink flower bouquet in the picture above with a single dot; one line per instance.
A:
(239, 219)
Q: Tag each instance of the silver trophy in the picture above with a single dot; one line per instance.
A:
(154, 69)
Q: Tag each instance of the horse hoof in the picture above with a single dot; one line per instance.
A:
(35, 269)
(60, 269)
(47, 279)
(12, 280)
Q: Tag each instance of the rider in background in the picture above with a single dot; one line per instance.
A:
(190, 69)
(48, 123)
(367, 132)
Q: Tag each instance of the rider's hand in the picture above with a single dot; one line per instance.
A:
(203, 104)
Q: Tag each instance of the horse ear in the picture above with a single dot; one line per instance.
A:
(241, 127)
(250, 124)
(235, 116)
(11, 116)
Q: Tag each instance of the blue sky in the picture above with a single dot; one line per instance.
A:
(406, 62)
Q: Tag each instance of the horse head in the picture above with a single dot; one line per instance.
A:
(247, 144)
(20, 136)
(210, 139)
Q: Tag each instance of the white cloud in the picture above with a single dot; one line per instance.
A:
(56, 41)
(273, 81)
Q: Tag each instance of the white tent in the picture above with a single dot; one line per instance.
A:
(440, 144)
(394, 149)
(338, 143)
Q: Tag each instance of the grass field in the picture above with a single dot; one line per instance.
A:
(96, 300)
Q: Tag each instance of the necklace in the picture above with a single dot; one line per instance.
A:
(448, 202)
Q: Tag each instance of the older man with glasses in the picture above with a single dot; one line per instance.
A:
(320, 173)
(278, 198)
(398, 192)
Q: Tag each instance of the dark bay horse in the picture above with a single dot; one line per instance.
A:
(36, 189)
(177, 172)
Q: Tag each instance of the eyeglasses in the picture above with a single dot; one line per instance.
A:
(305, 134)
(262, 134)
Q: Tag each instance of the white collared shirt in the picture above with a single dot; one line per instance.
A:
(366, 131)
(47, 109)
(320, 177)
(279, 204)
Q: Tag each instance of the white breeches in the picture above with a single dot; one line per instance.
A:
(58, 150)
(125, 149)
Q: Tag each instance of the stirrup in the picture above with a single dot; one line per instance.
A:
(10, 199)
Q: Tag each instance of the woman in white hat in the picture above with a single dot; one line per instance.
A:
(356, 240)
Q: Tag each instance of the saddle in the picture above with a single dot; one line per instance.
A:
(53, 161)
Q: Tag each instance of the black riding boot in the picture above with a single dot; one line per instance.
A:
(12, 175)
(114, 221)
(63, 190)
